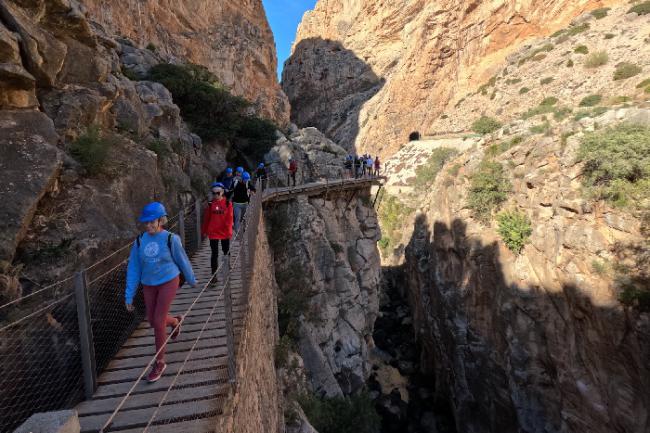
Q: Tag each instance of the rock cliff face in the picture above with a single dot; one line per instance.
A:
(539, 341)
(232, 38)
(368, 73)
(328, 271)
(62, 79)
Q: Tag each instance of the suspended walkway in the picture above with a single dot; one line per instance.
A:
(201, 365)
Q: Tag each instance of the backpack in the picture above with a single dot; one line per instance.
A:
(181, 277)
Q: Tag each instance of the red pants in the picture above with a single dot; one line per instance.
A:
(158, 299)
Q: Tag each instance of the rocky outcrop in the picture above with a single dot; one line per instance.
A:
(73, 88)
(369, 73)
(233, 39)
(328, 272)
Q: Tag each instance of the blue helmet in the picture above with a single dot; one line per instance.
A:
(246, 176)
(152, 212)
(261, 165)
(217, 185)
(229, 170)
(240, 170)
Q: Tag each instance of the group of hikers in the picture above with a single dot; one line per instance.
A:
(160, 264)
(362, 165)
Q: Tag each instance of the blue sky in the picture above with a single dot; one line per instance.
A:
(284, 17)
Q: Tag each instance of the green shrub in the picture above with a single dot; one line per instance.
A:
(632, 296)
(489, 187)
(581, 49)
(499, 148)
(620, 100)
(643, 84)
(355, 414)
(561, 113)
(558, 33)
(537, 54)
(600, 13)
(485, 125)
(91, 150)
(540, 109)
(596, 59)
(513, 81)
(282, 349)
(159, 147)
(569, 63)
(128, 73)
(524, 90)
(392, 214)
(515, 229)
(641, 8)
(609, 35)
(599, 267)
(574, 30)
(545, 81)
(549, 101)
(293, 302)
(626, 70)
(426, 173)
(538, 57)
(151, 47)
(581, 115)
(617, 164)
(210, 109)
(591, 100)
(542, 128)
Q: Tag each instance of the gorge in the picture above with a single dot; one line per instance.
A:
(498, 280)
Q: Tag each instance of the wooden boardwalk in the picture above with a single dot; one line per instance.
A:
(197, 397)
(200, 390)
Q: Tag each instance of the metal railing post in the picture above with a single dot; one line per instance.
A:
(85, 334)
(181, 226)
(197, 209)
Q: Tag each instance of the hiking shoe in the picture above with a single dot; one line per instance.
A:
(156, 371)
(176, 331)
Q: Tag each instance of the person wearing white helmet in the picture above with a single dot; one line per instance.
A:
(157, 261)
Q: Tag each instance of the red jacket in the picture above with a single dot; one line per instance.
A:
(217, 220)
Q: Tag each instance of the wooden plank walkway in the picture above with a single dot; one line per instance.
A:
(320, 187)
(199, 392)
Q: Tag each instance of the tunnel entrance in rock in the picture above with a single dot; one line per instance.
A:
(414, 136)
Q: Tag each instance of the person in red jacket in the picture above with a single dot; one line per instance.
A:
(217, 223)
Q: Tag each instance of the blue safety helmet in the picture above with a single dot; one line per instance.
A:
(152, 212)
(229, 170)
(261, 165)
(240, 170)
(246, 176)
(217, 185)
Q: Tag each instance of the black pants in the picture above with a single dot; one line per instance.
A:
(291, 176)
(214, 246)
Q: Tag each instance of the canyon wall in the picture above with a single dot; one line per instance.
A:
(368, 73)
(328, 271)
(232, 38)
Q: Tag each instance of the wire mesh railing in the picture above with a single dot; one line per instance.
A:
(42, 334)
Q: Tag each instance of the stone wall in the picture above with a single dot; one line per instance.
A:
(255, 406)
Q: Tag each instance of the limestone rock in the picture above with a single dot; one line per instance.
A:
(233, 39)
(29, 165)
(369, 73)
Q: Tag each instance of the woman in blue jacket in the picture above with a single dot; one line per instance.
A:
(156, 261)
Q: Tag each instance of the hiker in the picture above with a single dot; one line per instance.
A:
(348, 166)
(369, 164)
(241, 197)
(217, 224)
(260, 174)
(227, 181)
(158, 262)
(293, 168)
(377, 165)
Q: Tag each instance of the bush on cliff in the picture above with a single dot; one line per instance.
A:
(641, 8)
(91, 150)
(392, 214)
(489, 187)
(354, 414)
(485, 125)
(617, 165)
(515, 229)
(426, 174)
(210, 109)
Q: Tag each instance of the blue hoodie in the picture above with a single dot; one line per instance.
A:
(153, 263)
